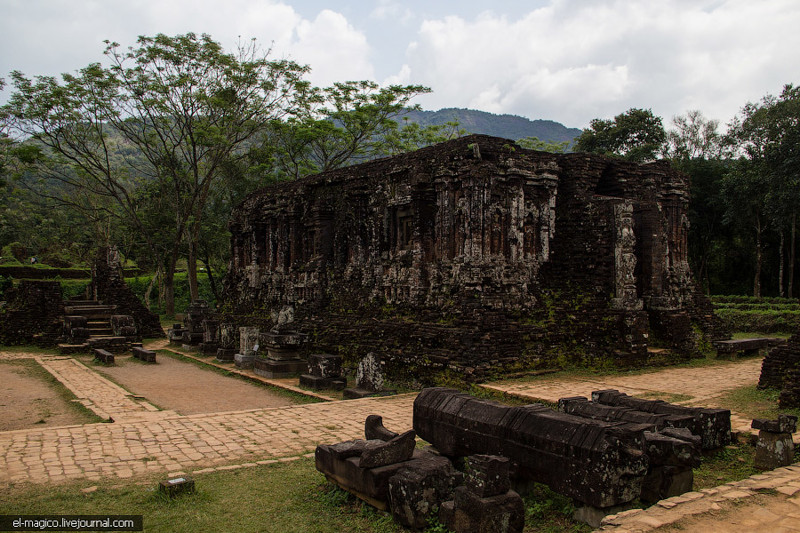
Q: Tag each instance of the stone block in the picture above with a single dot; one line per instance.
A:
(244, 361)
(784, 424)
(325, 365)
(469, 513)
(104, 356)
(270, 368)
(773, 450)
(176, 486)
(487, 475)
(418, 489)
(144, 355)
(322, 383)
(666, 481)
(382, 453)
(225, 354)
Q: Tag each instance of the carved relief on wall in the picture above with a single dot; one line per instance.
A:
(625, 258)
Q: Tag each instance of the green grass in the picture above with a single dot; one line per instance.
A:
(725, 465)
(752, 402)
(281, 497)
(284, 497)
(665, 396)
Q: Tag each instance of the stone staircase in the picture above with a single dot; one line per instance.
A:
(98, 326)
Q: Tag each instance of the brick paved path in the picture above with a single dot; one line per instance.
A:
(703, 384)
(143, 439)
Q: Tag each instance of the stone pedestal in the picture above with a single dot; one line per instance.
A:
(193, 323)
(775, 447)
(175, 334)
(485, 503)
(225, 355)
(282, 354)
(324, 372)
(210, 342)
(248, 344)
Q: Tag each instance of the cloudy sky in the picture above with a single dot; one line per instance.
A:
(564, 60)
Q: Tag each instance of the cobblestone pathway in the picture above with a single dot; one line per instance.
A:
(143, 439)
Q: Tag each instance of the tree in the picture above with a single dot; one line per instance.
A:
(534, 143)
(184, 105)
(344, 124)
(636, 135)
(693, 137)
(765, 138)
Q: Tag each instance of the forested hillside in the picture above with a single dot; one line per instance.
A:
(507, 126)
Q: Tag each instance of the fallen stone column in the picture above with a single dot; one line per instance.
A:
(589, 460)
(672, 451)
(712, 425)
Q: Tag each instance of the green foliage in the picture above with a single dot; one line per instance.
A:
(636, 135)
(183, 298)
(533, 143)
(767, 315)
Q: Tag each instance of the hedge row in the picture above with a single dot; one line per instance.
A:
(721, 299)
(765, 321)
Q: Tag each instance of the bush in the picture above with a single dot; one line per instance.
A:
(182, 300)
(766, 321)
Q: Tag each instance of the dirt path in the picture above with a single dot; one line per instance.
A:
(30, 399)
(186, 388)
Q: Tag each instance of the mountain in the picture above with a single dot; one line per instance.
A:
(507, 126)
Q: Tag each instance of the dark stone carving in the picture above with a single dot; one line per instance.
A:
(418, 489)
(374, 429)
(458, 255)
(193, 329)
(369, 379)
(382, 453)
(774, 447)
(324, 372)
(588, 460)
(712, 425)
(390, 475)
(228, 341)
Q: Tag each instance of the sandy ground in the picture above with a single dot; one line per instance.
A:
(28, 399)
(186, 388)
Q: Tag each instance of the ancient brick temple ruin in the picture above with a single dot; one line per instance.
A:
(475, 255)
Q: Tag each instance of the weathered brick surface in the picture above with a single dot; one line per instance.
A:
(32, 313)
(474, 255)
(109, 287)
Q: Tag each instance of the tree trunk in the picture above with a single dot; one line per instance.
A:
(781, 260)
(212, 280)
(150, 286)
(791, 256)
(169, 284)
(191, 270)
(757, 277)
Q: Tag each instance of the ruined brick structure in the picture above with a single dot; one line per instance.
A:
(109, 286)
(32, 313)
(473, 255)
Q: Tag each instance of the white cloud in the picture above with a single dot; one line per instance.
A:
(54, 36)
(575, 60)
(335, 50)
(390, 10)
